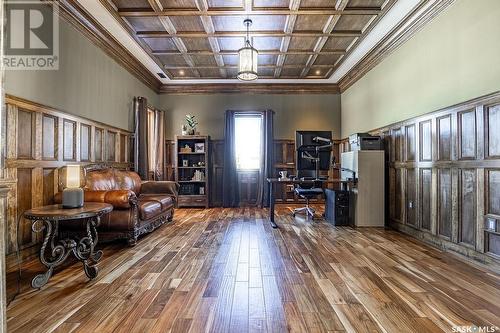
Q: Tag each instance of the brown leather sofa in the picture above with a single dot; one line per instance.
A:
(138, 207)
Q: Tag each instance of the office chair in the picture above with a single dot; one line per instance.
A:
(307, 192)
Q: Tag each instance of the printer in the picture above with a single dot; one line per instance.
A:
(365, 141)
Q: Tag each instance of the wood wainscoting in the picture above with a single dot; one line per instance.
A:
(40, 140)
(444, 177)
(284, 156)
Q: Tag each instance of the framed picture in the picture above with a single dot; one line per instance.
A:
(185, 163)
(199, 147)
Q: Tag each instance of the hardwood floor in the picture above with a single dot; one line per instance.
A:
(226, 270)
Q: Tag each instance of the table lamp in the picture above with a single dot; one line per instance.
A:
(72, 195)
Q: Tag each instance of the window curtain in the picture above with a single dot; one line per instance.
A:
(267, 163)
(149, 147)
(230, 193)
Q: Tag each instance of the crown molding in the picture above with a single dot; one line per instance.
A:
(73, 13)
(406, 29)
(251, 88)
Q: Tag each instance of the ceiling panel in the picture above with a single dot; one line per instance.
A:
(196, 44)
(231, 43)
(271, 3)
(203, 60)
(302, 43)
(160, 44)
(295, 59)
(318, 3)
(311, 22)
(235, 23)
(267, 43)
(172, 60)
(353, 22)
(121, 4)
(327, 59)
(171, 4)
(225, 3)
(230, 60)
(365, 3)
(145, 24)
(338, 43)
(187, 23)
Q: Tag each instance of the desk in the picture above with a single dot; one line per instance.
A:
(272, 181)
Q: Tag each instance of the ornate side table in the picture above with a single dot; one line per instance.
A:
(55, 249)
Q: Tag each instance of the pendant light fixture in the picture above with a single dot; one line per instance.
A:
(247, 69)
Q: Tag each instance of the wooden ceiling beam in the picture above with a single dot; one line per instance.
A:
(196, 34)
(208, 25)
(256, 88)
(134, 12)
(156, 5)
(285, 41)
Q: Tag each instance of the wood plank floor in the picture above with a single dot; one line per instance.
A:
(226, 270)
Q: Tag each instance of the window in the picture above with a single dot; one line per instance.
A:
(248, 133)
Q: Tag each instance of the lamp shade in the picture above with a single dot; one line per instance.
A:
(247, 69)
(73, 176)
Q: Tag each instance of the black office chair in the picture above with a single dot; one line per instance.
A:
(307, 191)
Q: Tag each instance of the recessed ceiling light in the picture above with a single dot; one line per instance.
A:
(181, 72)
(318, 72)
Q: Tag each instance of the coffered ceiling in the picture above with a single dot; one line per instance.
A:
(296, 39)
(308, 42)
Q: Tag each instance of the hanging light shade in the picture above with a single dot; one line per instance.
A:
(248, 55)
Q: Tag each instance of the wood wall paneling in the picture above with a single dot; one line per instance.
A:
(49, 137)
(111, 146)
(99, 144)
(411, 196)
(410, 142)
(69, 140)
(468, 203)
(447, 163)
(467, 134)
(426, 140)
(444, 138)
(425, 198)
(492, 131)
(25, 128)
(33, 160)
(85, 149)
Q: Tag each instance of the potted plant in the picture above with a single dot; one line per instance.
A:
(191, 124)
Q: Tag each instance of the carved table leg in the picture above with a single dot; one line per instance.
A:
(84, 251)
(56, 254)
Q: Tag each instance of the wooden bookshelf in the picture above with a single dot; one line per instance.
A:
(193, 190)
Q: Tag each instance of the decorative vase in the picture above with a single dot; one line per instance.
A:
(191, 131)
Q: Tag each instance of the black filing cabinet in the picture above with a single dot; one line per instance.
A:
(337, 207)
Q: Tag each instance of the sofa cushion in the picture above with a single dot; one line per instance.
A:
(128, 180)
(166, 201)
(148, 209)
(100, 180)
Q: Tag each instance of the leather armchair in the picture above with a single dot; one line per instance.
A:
(138, 207)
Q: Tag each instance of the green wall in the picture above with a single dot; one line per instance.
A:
(316, 112)
(454, 58)
(88, 83)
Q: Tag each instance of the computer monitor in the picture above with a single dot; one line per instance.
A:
(304, 142)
